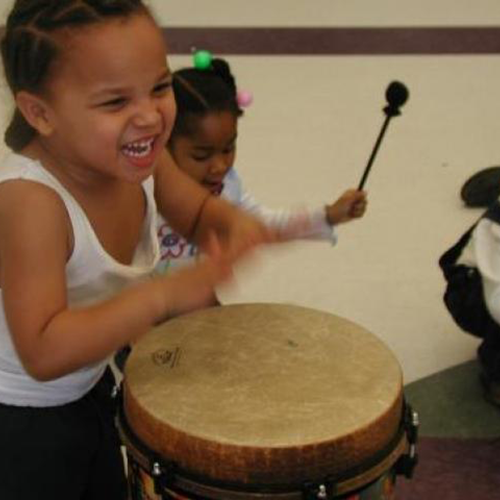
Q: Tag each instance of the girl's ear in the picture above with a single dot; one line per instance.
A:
(36, 112)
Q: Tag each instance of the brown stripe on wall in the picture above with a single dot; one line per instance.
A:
(336, 41)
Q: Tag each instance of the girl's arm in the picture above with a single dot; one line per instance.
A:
(194, 213)
(52, 339)
(299, 223)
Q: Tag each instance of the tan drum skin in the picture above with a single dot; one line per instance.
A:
(263, 394)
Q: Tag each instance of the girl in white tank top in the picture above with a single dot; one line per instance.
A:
(78, 197)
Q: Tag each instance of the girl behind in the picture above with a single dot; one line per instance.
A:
(203, 143)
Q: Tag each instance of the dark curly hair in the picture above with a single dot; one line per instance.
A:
(29, 47)
(199, 92)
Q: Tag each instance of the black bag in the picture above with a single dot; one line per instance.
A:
(463, 296)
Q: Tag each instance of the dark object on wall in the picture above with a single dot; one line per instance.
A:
(482, 189)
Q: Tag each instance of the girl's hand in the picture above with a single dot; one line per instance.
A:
(351, 205)
(238, 232)
(247, 232)
(193, 287)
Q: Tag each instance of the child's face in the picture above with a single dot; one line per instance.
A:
(111, 101)
(209, 152)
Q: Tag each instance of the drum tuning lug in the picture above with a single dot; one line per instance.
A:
(317, 491)
(406, 464)
(157, 475)
(156, 470)
(414, 418)
(322, 495)
(412, 431)
(115, 392)
(411, 422)
(162, 474)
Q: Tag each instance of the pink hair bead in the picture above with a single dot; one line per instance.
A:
(244, 98)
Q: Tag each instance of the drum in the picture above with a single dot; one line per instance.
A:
(264, 401)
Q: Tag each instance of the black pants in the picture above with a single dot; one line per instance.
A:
(69, 452)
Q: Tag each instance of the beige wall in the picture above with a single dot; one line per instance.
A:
(327, 12)
(4, 8)
(319, 12)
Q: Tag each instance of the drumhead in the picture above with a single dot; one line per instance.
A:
(263, 394)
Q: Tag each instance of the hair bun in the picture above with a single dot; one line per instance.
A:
(221, 68)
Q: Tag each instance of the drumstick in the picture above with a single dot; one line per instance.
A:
(396, 95)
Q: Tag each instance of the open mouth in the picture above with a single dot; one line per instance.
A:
(139, 149)
(215, 187)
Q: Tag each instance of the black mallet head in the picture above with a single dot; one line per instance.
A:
(396, 95)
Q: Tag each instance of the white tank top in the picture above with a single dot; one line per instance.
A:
(92, 275)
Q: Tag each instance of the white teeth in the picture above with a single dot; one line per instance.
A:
(138, 149)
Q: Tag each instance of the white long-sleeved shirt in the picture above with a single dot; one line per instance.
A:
(175, 251)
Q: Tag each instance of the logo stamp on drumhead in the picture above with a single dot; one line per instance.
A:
(167, 357)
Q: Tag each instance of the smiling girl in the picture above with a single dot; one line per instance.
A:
(78, 201)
